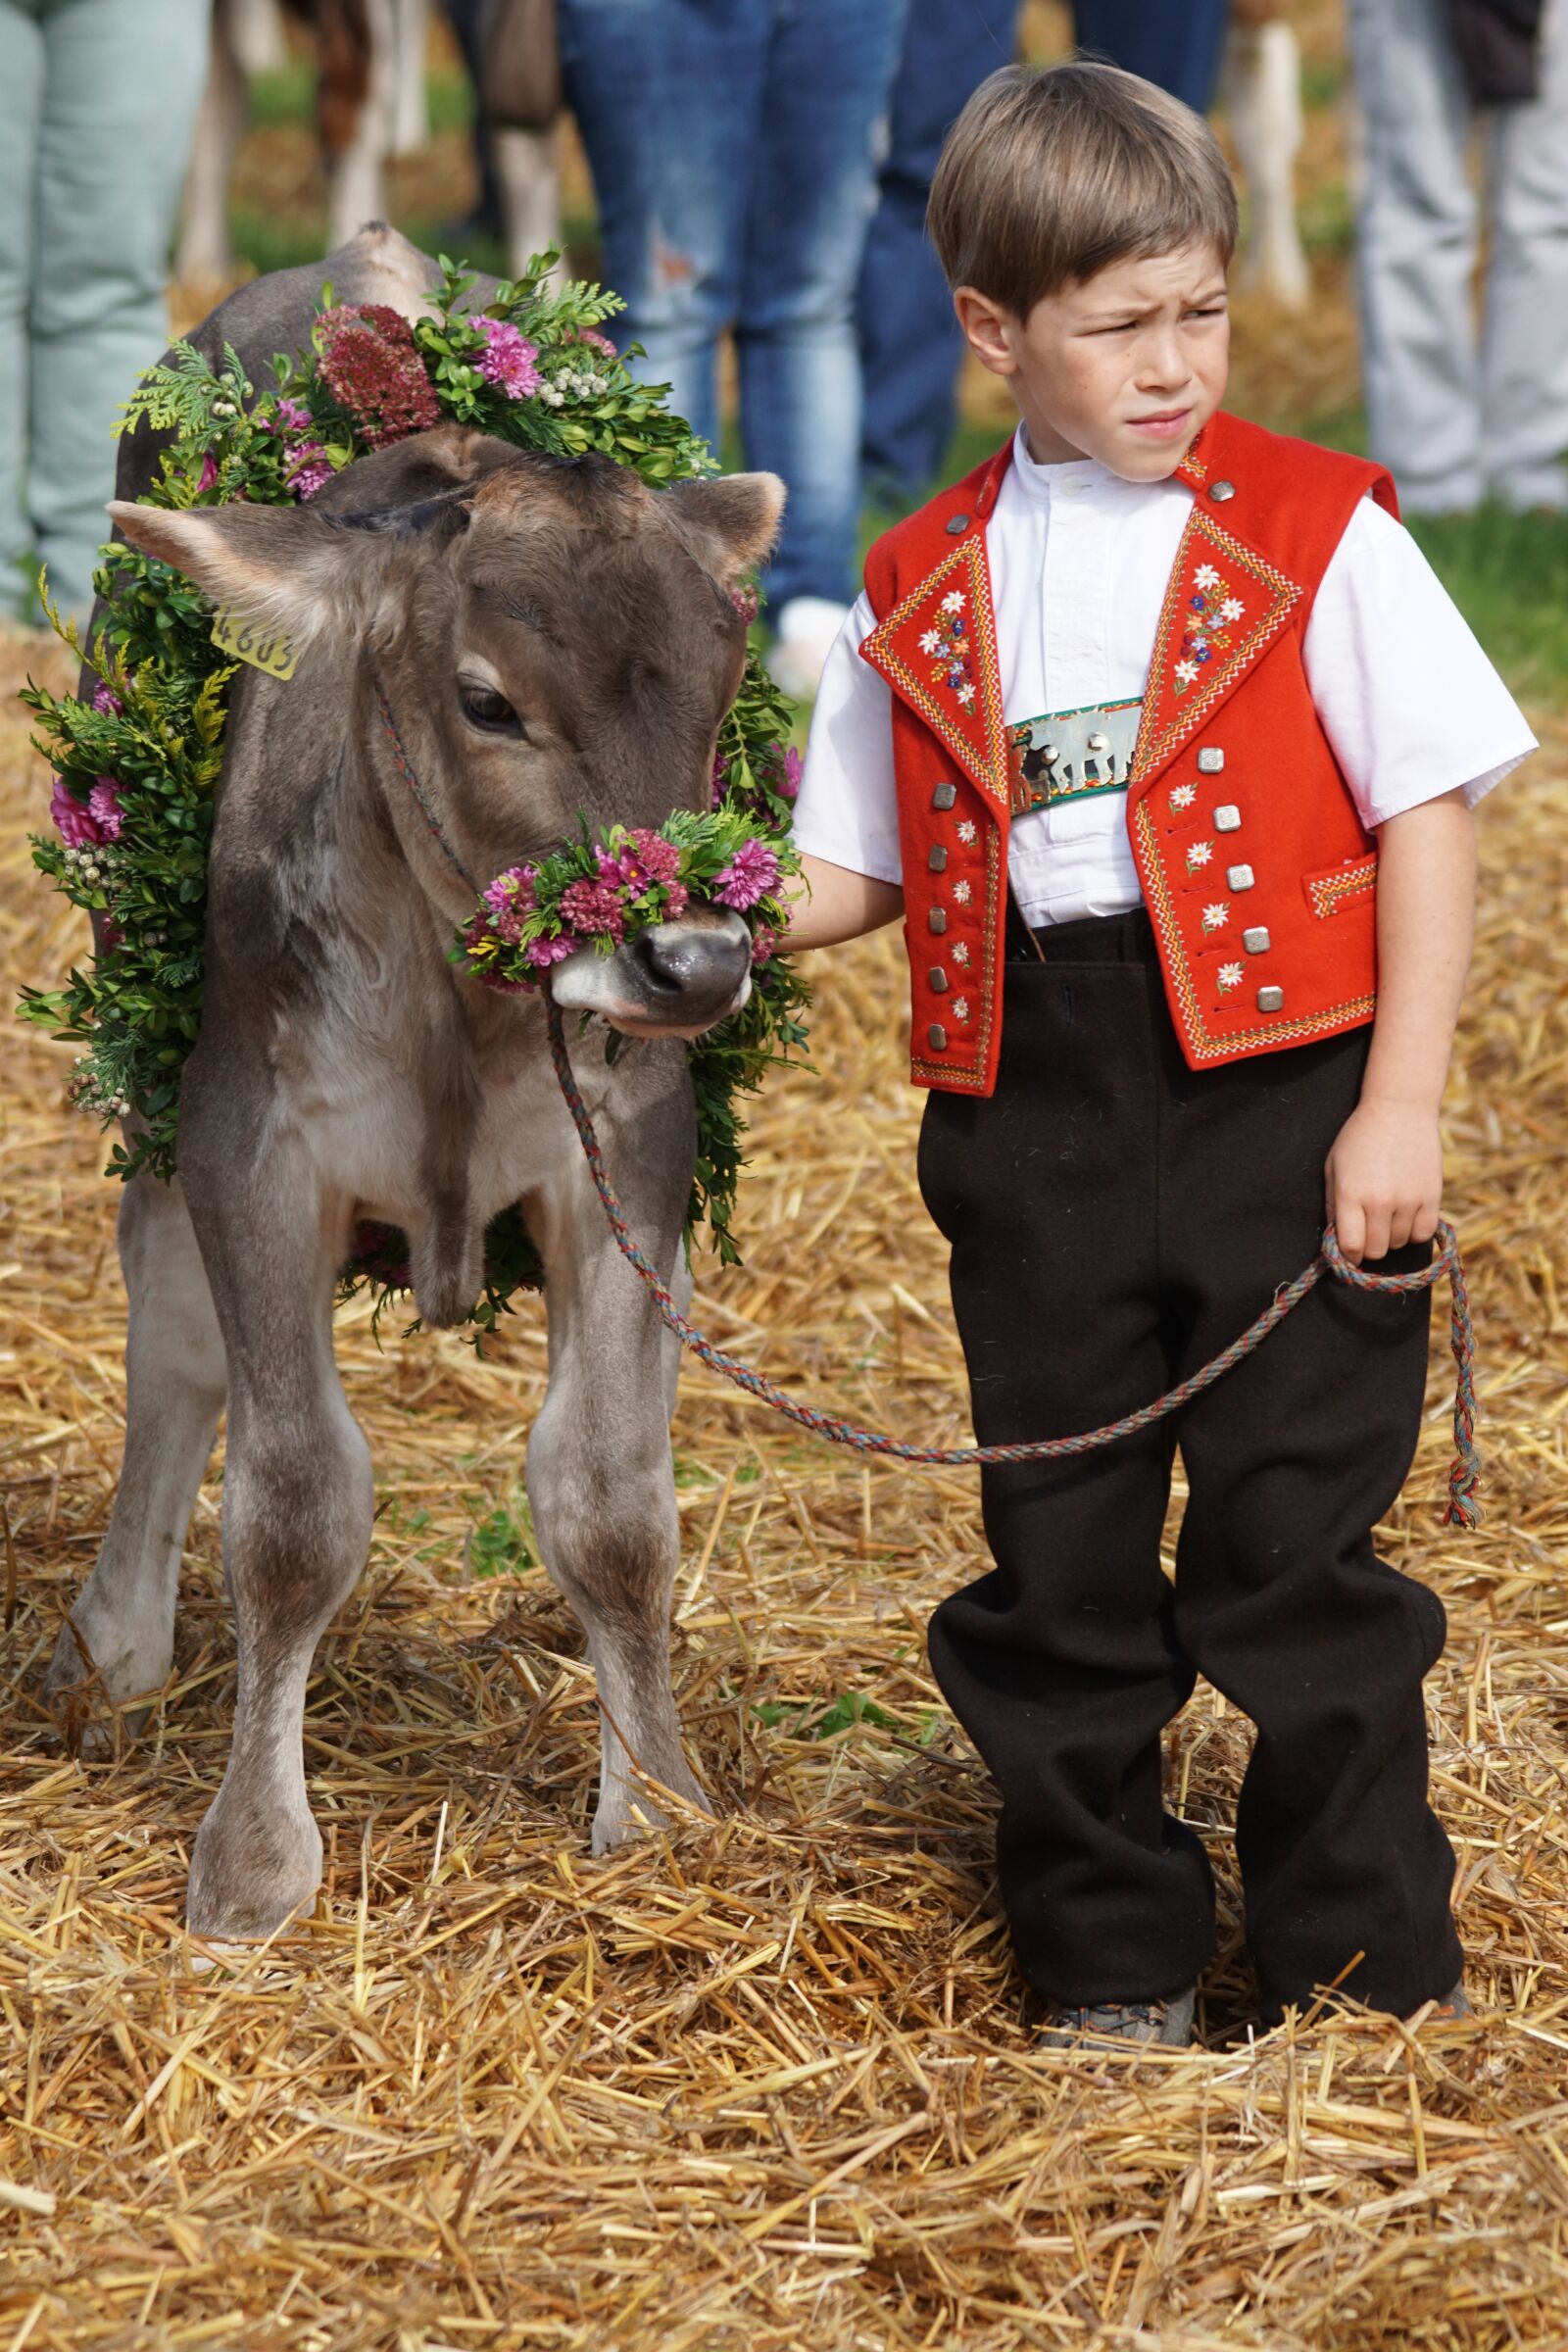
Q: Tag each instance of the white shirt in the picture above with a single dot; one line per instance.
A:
(1080, 561)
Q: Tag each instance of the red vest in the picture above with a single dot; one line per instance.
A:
(1259, 874)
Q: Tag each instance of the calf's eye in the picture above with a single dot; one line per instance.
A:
(482, 707)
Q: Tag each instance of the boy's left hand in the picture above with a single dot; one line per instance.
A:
(1385, 1178)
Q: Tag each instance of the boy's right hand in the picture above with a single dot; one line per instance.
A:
(835, 903)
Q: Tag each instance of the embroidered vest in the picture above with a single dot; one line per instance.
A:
(1258, 875)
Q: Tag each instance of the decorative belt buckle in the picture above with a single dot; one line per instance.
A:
(1071, 755)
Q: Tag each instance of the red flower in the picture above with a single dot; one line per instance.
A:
(369, 365)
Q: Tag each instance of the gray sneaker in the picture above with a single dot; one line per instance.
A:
(1164, 2025)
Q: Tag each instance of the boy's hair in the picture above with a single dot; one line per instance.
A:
(1049, 174)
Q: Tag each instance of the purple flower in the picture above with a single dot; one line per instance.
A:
(106, 701)
(661, 859)
(104, 803)
(73, 819)
(720, 772)
(510, 898)
(594, 910)
(507, 359)
(750, 875)
(206, 479)
(307, 470)
(291, 416)
(788, 784)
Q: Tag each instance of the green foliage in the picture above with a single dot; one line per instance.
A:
(152, 735)
(825, 1719)
(499, 1546)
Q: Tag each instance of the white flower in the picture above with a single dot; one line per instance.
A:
(1232, 608)
(1184, 796)
(968, 832)
(960, 954)
(1207, 576)
(952, 602)
(1230, 976)
(1199, 853)
(931, 643)
(960, 1008)
(962, 893)
(966, 694)
(1187, 672)
(1216, 917)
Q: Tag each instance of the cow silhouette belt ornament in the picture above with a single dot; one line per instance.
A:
(1071, 755)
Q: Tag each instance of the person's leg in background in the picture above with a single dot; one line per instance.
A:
(1415, 254)
(1177, 46)
(910, 348)
(829, 80)
(122, 88)
(22, 68)
(669, 96)
(1524, 357)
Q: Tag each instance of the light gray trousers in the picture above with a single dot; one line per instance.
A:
(1459, 409)
(98, 103)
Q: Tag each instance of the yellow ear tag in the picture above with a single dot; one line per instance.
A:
(262, 649)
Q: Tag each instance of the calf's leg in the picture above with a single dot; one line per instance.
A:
(297, 1513)
(601, 1480)
(119, 1642)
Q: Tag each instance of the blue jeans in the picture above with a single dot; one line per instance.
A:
(910, 347)
(1174, 42)
(98, 103)
(733, 149)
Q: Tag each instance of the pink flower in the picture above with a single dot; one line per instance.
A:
(104, 802)
(307, 470)
(787, 783)
(106, 701)
(206, 479)
(508, 360)
(73, 819)
(750, 875)
(542, 952)
(291, 416)
(592, 337)
(678, 900)
(765, 946)
(747, 602)
(594, 910)
(720, 772)
(648, 860)
(373, 368)
(510, 898)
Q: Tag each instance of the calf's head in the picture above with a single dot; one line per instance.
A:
(554, 640)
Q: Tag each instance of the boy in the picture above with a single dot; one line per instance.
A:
(1162, 737)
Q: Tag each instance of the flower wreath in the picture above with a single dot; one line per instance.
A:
(136, 765)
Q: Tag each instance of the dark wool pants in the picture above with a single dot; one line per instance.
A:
(1116, 1219)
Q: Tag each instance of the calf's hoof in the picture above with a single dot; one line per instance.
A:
(628, 1810)
(251, 1872)
(86, 1690)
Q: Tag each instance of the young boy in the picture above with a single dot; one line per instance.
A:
(1162, 737)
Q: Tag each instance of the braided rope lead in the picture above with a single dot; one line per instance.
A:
(1463, 1508)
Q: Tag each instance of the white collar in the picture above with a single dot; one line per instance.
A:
(1074, 477)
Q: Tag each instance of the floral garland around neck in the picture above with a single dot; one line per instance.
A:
(136, 761)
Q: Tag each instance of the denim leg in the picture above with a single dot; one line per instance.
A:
(910, 347)
(1524, 353)
(668, 95)
(121, 92)
(830, 74)
(1177, 47)
(21, 65)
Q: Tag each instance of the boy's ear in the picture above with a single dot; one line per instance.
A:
(986, 326)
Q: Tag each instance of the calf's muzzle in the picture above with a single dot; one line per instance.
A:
(675, 980)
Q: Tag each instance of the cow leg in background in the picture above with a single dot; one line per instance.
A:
(410, 111)
(298, 1500)
(124, 1617)
(601, 1481)
(1263, 92)
(259, 41)
(204, 256)
(357, 172)
(527, 169)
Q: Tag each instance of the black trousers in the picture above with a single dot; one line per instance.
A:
(1116, 1219)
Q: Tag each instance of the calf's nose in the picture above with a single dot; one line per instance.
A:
(701, 965)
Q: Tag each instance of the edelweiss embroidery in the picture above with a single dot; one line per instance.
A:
(960, 954)
(960, 1008)
(1216, 917)
(962, 893)
(1230, 976)
(1199, 853)
(949, 646)
(968, 832)
(1184, 796)
(1208, 630)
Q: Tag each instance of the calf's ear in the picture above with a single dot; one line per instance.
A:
(296, 575)
(728, 521)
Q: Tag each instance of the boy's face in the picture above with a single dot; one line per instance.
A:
(1126, 366)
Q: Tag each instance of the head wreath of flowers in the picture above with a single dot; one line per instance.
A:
(136, 763)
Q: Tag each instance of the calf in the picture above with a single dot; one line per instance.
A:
(552, 637)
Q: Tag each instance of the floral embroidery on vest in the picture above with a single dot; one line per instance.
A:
(1183, 796)
(1199, 853)
(1230, 976)
(1217, 915)
(948, 643)
(1208, 629)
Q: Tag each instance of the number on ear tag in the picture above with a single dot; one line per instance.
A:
(262, 648)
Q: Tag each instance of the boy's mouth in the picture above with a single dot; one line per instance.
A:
(1167, 424)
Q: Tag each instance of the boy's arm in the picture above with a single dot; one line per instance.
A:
(1384, 1172)
(835, 903)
